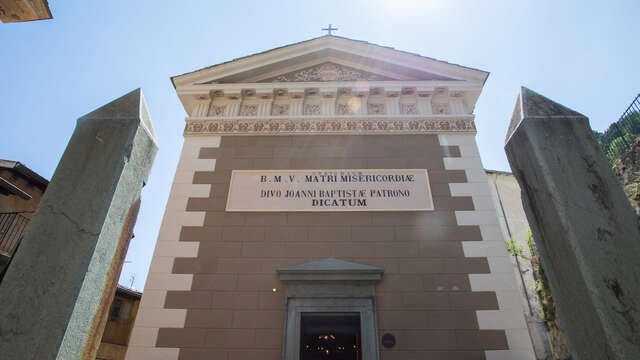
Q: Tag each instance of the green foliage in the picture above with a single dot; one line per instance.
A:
(635, 192)
(619, 146)
(619, 136)
(542, 287)
(514, 249)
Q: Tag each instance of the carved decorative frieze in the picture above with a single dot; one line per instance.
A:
(249, 110)
(280, 109)
(408, 109)
(217, 110)
(328, 72)
(312, 109)
(376, 109)
(329, 125)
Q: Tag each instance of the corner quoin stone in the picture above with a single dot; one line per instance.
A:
(584, 228)
(56, 294)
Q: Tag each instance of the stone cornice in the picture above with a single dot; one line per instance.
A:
(339, 44)
(277, 125)
(330, 269)
(205, 89)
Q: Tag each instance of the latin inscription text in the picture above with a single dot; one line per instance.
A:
(332, 190)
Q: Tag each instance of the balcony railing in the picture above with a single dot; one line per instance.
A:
(622, 134)
(12, 226)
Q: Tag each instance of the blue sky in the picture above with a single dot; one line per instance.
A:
(583, 54)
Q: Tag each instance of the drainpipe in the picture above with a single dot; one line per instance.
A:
(506, 222)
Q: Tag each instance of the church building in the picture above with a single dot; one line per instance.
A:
(330, 203)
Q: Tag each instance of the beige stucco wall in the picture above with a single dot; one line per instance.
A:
(448, 287)
(513, 222)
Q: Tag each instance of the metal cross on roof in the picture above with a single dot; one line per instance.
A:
(329, 29)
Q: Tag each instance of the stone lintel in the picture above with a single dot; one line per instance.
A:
(331, 269)
(330, 277)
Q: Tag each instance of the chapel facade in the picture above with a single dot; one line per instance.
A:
(330, 203)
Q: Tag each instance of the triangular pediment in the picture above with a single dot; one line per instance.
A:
(328, 71)
(330, 58)
(331, 266)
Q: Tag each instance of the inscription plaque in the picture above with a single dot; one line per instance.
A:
(330, 190)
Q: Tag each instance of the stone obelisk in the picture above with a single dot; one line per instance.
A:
(584, 227)
(55, 296)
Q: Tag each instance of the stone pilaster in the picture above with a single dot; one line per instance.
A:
(265, 101)
(328, 101)
(424, 103)
(201, 107)
(235, 100)
(297, 101)
(392, 100)
(364, 101)
(456, 100)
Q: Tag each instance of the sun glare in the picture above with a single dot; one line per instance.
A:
(407, 8)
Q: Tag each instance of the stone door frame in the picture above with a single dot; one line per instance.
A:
(330, 286)
(365, 307)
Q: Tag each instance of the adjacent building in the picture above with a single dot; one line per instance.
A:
(117, 332)
(12, 11)
(20, 191)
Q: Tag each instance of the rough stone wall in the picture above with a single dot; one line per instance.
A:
(627, 170)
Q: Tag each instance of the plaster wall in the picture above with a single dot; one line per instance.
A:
(117, 332)
(513, 222)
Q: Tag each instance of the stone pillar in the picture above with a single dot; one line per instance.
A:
(584, 228)
(56, 295)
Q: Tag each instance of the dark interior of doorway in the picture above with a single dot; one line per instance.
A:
(333, 336)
